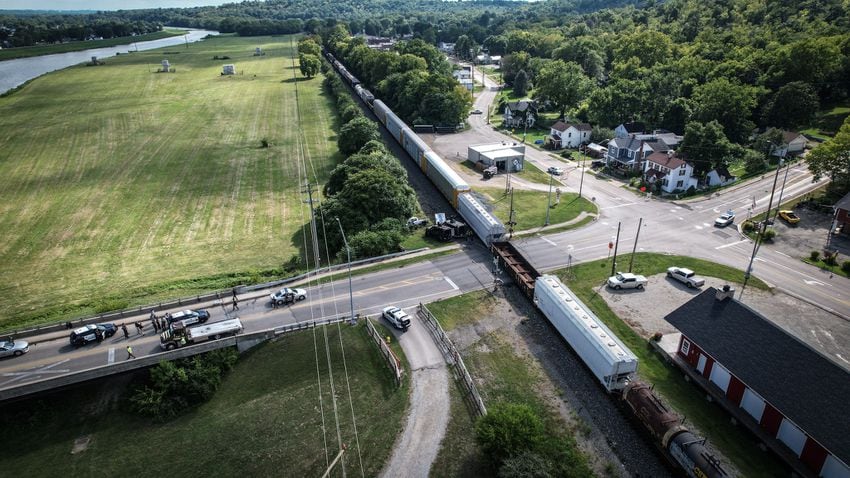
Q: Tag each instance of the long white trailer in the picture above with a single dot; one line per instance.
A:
(613, 364)
(487, 227)
(179, 335)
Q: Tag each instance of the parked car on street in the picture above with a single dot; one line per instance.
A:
(789, 217)
(14, 348)
(92, 333)
(725, 219)
(397, 317)
(555, 171)
(189, 317)
(288, 296)
(476, 112)
(685, 276)
(626, 280)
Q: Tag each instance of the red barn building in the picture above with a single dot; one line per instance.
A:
(768, 377)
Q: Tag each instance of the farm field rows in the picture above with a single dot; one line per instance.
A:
(119, 182)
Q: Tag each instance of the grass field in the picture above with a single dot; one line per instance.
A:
(38, 50)
(265, 420)
(530, 207)
(121, 185)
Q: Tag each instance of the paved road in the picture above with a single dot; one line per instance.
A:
(403, 286)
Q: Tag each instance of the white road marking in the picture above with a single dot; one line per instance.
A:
(454, 286)
(547, 240)
(782, 253)
(699, 228)
(842, 358)
(724, 246)
(110, 357)
(38, 371)
(813, 282)
(618, 205)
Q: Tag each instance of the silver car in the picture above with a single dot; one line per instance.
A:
(14, 348)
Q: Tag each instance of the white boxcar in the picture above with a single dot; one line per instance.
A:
(381, 111)
(394, 125)
(487, 227)
(613, 364)
(414, 146)
(444, 177)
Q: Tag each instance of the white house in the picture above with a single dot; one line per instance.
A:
(628, 129)
(719, 176)
(519, 114)
(674, 174)
(228, 70)
(792, 143)
(569, 135)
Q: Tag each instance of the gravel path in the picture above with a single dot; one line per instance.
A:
(417, 447)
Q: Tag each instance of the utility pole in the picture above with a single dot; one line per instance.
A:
(581, 182)
(549, 200)
(350, 290)
(781, 192)
(634, 249)
(315, 241)
(759, 236)
(616, 245)
(511, 222)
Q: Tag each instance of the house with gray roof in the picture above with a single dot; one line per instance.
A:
(520, 114)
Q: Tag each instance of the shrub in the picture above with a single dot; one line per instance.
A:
(769, 234)
(845, 266)
(814, 256)
(831, 259)
(508, 429)
(748, 226)
(180, 384)
(264, 143)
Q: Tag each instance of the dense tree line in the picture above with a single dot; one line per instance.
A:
(17, 31)
(414, 79)
(368, 191)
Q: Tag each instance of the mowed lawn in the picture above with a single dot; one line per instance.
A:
(116, 179)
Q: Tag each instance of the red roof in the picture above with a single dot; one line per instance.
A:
(667, 160)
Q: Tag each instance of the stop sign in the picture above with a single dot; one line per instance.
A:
(610, 245)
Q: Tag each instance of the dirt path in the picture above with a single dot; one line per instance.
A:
(417, 446)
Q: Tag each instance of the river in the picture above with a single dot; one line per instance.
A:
(17, 72)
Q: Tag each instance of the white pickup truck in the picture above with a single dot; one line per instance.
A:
(685, 276)
(178, 335)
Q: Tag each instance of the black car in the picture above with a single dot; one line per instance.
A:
(189, 317)
(92, 333)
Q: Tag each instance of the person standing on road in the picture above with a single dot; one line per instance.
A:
(155, 324)
(139, 328)
(235, 302)
(130, 353)
(124, 329)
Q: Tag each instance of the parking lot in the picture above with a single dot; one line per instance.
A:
(645, 310)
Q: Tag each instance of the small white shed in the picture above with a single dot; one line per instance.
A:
(228, 70)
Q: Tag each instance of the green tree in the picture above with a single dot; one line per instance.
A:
(520, 83)
(564, 84)
(729, 103)
(356, 133)
(508, 430)
(832, 159)
(648, 46)
(369, 157)
(309, 47)
(512, 64)
(704, 145)
(309, 64)
(465, 48)
(794, 104)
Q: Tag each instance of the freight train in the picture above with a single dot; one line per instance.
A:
(608, 359)
(447, 181)
(611, 363)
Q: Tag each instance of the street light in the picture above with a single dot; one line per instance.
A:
(348, 253)
(582, 150)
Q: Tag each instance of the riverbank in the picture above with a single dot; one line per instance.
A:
(39, 50)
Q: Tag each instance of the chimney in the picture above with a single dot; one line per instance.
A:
(725, 293)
